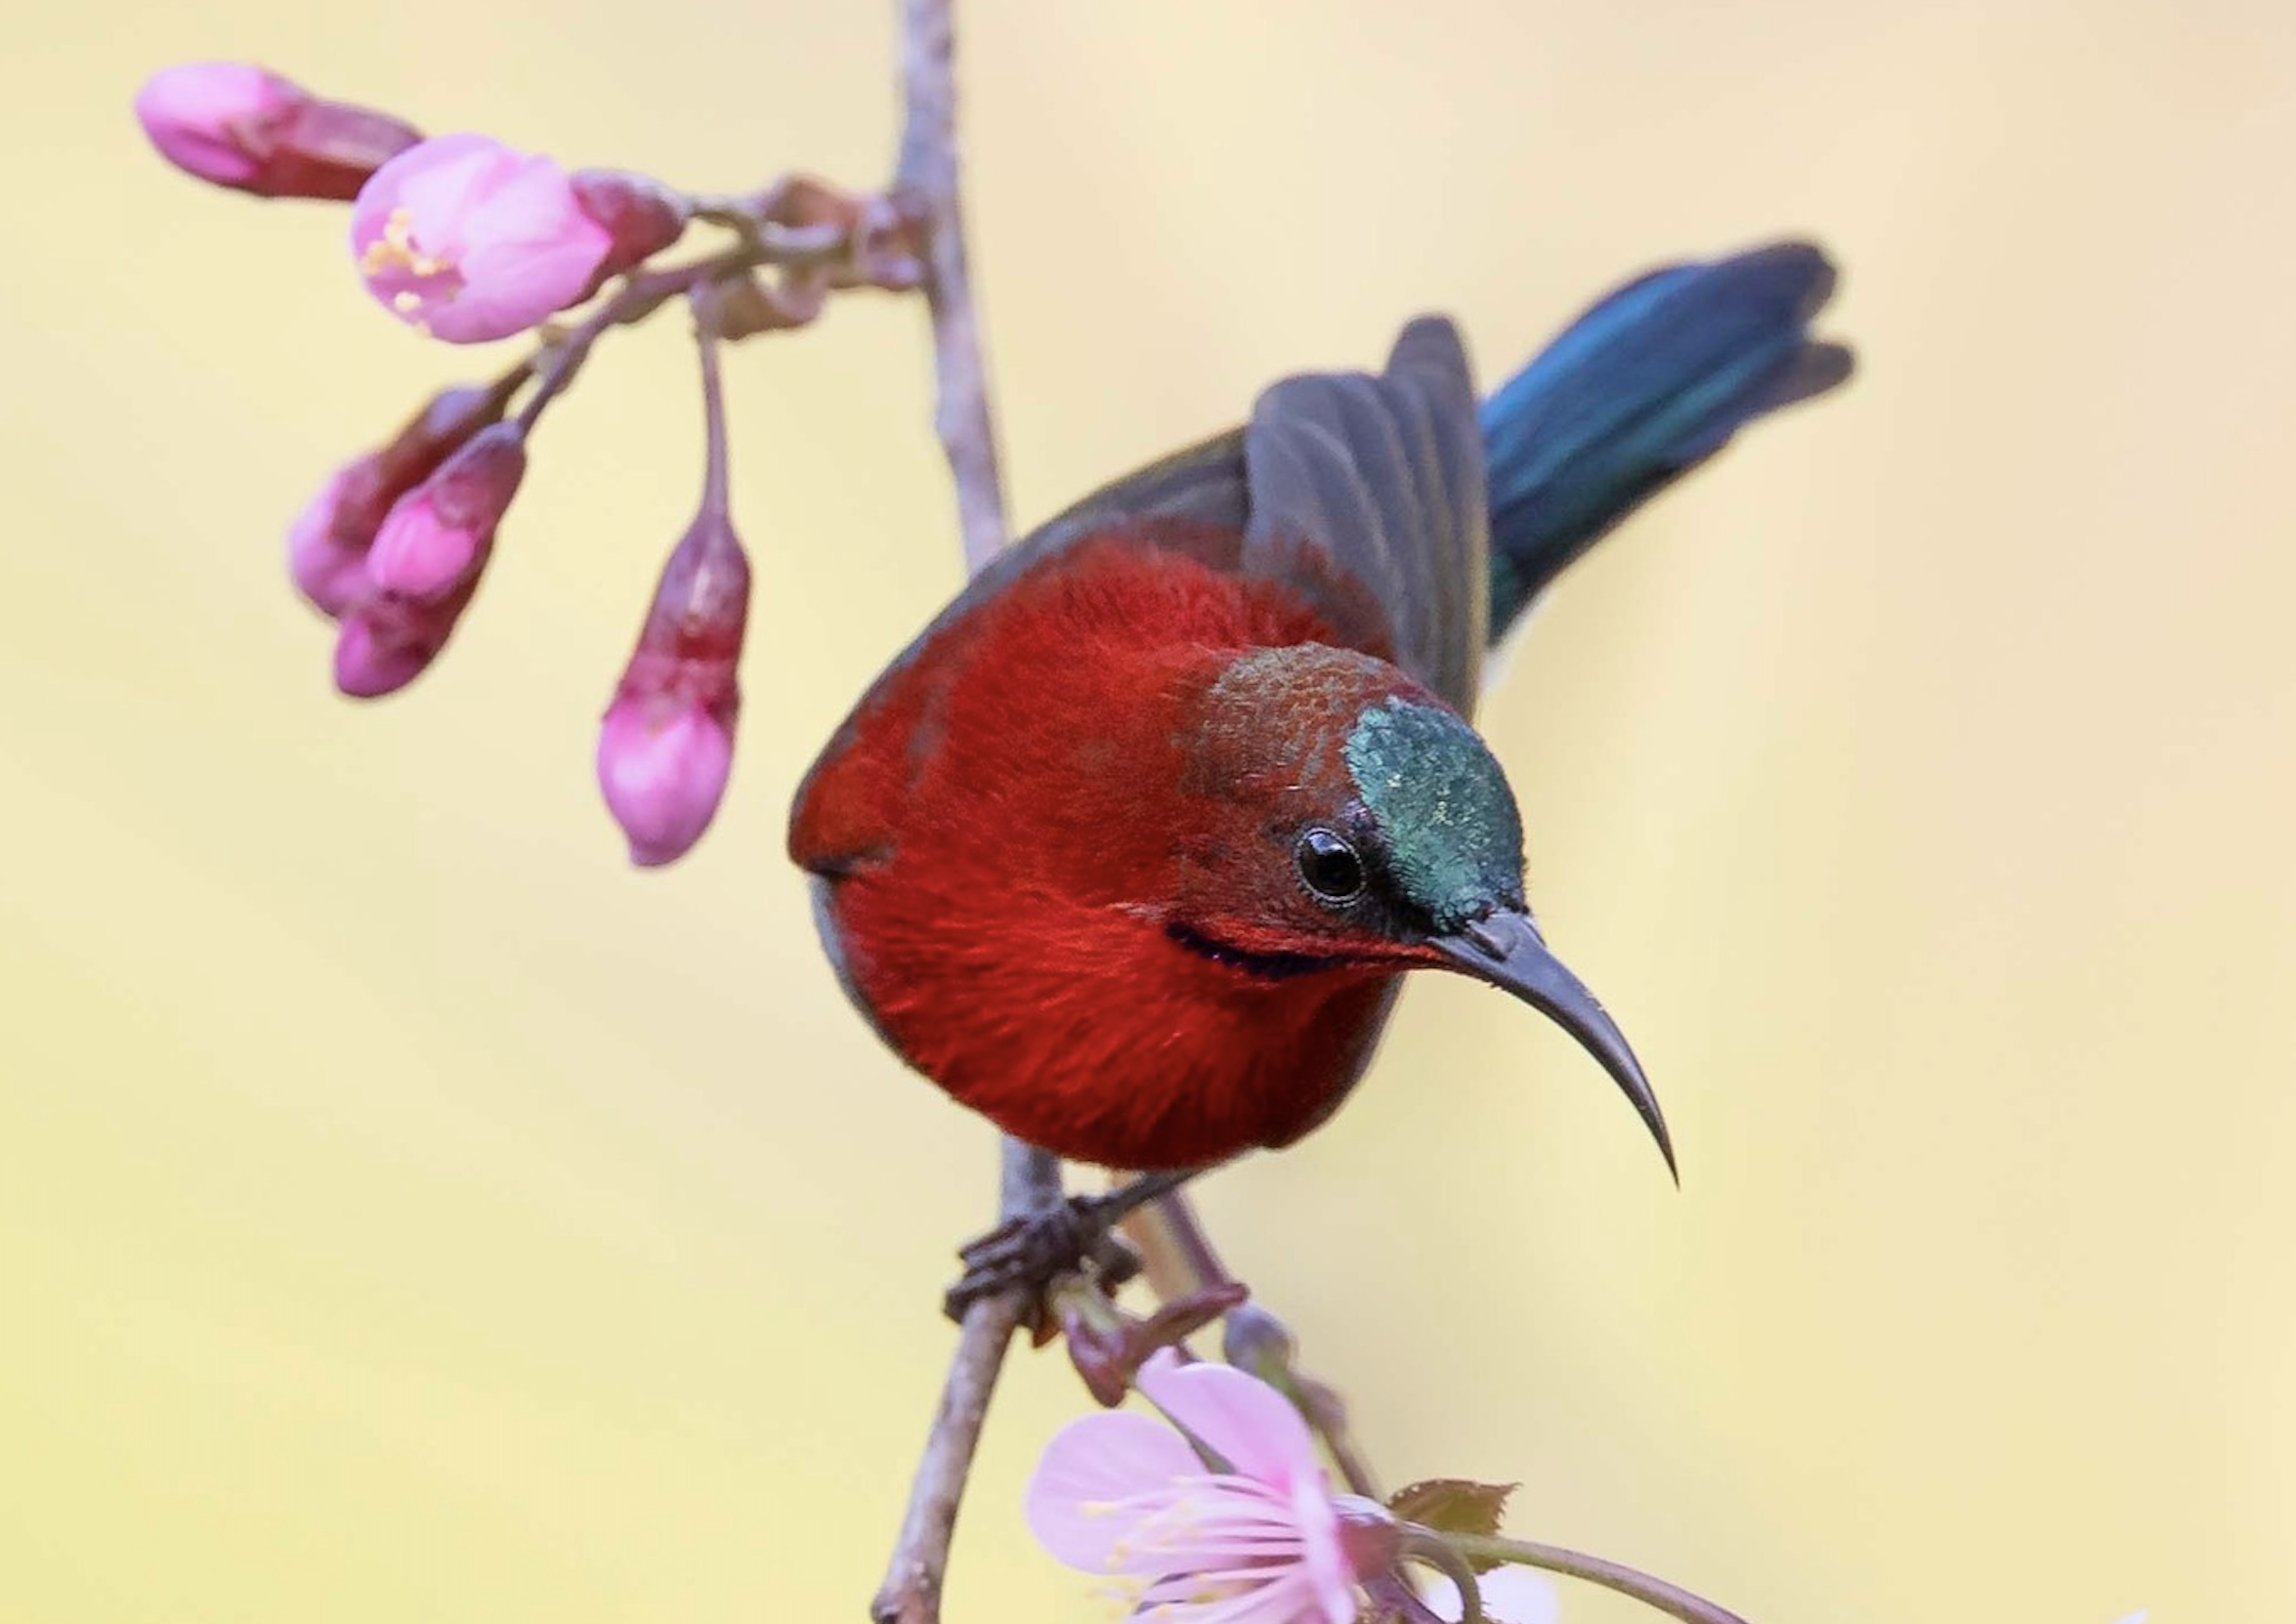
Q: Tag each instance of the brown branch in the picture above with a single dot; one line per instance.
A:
(911, 1594)
(863, 247)
(1029, 1179)
(927, 171)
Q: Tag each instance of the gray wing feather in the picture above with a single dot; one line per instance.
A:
(1385, 475)
(1204, 483)
(1382, 475)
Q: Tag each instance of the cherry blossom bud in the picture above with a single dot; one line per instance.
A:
(240, 126)
(467, 239)
(641, 217)
(666, 746)
(437, 536)
(327, 556)
(327, 544)
(388, 641)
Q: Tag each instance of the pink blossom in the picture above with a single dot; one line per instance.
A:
(198, 116)
(437, 536)
(240, 126)
(387, 641)
(326, 558)
(468, 239)
(662, 765)
(1257, 1537)
(666, 746)
(328, 542)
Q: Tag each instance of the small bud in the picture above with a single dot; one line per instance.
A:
(326, 557)
(667, 747)
(467, 239)
(640, 216)
(1259, 1342)
(436, 538)
(327, 543)
(240, 126)
(387, 641)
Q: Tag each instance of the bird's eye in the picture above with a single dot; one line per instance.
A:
(1329, 867)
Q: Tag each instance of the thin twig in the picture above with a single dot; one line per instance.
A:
(927, 170)
(1657, 1593)
(1029, 1179)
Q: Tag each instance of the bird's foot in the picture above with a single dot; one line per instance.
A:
(1030, 1251)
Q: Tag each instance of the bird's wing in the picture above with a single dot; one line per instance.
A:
(1203, 484)
(1382, 476)
(1364, 492)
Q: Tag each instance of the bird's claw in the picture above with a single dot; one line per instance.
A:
(1031, 1251)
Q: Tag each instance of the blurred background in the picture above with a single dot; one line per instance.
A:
(409, 1211)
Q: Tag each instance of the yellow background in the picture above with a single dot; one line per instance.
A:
(409, 1212)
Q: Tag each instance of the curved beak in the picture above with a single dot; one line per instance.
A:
(1505, 949)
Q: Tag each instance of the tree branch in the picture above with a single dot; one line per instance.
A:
(927, 169)
(1029, 1179)
(911, 1594)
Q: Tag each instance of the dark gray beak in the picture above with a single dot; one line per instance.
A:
(1506, 950)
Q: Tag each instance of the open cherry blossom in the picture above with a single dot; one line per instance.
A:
(1224, 1516)
(470, 239)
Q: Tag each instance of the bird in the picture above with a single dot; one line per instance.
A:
(1132, 849)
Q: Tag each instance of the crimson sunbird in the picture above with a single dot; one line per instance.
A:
(1130, 849)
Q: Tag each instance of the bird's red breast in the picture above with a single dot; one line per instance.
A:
(1001, 832)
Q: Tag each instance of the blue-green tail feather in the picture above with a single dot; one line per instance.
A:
(1649, 383)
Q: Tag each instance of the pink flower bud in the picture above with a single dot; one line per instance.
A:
(467, 239)
(327, 544)
(667, 743)
(240, 126)
(663, 764)
(437, 537)
(641, 217)
(388, 641)
(326, 557)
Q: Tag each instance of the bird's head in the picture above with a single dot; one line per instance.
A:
(1357, 821)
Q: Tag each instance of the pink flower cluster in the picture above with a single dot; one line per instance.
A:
(467, 239)
(246, 128)
(458, 235)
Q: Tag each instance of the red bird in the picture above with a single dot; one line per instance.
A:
(1130, 849)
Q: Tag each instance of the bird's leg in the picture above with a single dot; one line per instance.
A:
(1034, 1248)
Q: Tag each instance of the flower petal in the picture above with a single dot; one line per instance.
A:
(1321, 1557)
(1091, 1464)
(1250, 1423)
(1182, 1599)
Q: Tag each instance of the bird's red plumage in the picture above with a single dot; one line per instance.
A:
(1003, 828)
